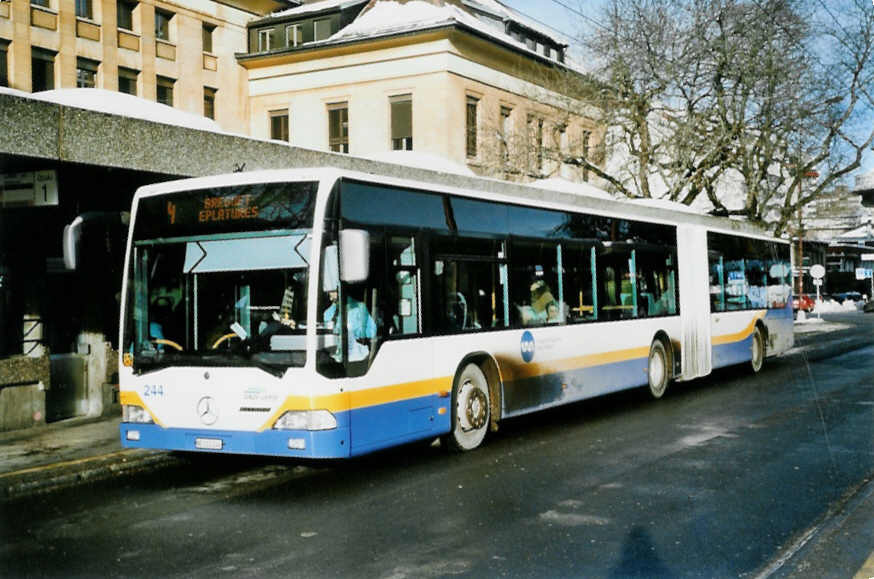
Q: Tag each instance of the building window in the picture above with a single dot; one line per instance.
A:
(127, 80)
(42, 69)
(265, 40)
(86, 73)
(43, 3)
(208, 29)
(506, 132)
(162, 24)
(402, 122)
(587, 136)
(471, 125)
(4, 65)
(322, 29)
(279, 126)
(125, 14)
(338, 127)
(209, 102)
(83, 9)
(165, 90)
(293, 35)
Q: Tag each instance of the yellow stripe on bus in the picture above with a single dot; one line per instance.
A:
(741, 335)
(362, 398)
(512, 371)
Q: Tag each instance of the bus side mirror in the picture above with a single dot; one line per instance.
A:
(354, 255)
(72, 233)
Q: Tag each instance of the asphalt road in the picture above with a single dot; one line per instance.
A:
(718, 479)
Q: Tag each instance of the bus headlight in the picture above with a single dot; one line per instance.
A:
(306, 420)
(131, 413)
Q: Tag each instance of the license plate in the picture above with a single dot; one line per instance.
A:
(208, 443)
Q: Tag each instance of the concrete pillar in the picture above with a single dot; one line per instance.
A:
(95, 348)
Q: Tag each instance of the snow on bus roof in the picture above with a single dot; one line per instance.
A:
(421, 160)
(125, 105)
(565, 186)
(667, 204)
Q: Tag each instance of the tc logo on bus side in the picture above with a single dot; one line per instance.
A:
(527, 346)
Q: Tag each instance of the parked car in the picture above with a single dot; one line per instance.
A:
(869, 307)
(803, 302)
(844, 296)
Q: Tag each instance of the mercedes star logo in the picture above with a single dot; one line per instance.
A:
(207, 410)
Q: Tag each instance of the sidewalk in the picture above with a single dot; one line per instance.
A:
(68, 453)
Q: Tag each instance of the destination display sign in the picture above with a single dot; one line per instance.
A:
(255, 207)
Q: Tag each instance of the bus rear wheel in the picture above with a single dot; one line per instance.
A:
(470, 409)
(758, 354)
(658, 369)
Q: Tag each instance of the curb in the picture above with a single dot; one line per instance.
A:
(58, 476)
(815, 352)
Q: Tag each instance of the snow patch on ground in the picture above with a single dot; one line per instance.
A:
(833, 307)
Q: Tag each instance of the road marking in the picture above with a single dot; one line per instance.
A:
(867, 570)
(66, 464)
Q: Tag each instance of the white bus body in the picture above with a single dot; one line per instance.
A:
(283, 395)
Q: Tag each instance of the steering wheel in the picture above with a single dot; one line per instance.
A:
(224, 338)
(166, 342)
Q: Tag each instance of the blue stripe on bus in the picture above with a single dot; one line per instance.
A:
(318, 444)
(375, 427)
(529, 394)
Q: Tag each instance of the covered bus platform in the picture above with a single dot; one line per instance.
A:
(59, 328)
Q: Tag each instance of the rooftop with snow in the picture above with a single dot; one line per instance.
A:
(367, 20)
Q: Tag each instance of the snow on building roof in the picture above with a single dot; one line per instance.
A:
(509, 13)
(313, 7)
(384, 17)
(862, 232)
(388, 17)
(116, 103)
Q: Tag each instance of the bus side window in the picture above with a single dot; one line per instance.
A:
(404, 307)
(469, 295)
(578, 262)
(717, 282)
(536, 282)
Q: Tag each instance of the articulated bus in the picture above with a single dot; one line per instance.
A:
(324, 314)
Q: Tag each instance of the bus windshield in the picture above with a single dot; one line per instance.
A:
(215, 297)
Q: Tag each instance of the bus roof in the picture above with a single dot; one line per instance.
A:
(538, 195)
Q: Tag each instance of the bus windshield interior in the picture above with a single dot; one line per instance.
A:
(218, 276)
(223, 301)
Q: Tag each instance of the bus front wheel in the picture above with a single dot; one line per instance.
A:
(758, 353)
(658, 369)
(470, 409)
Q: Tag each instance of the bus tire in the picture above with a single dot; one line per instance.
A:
(658, 369)
(470, 409)
(757, 359)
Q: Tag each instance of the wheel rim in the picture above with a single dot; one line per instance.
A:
(657, 371)
(471, 409)
(758, 350)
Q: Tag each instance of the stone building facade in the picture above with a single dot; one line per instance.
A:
(179, 52)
